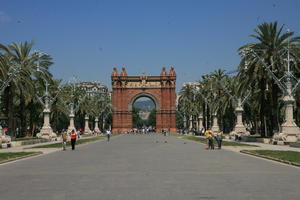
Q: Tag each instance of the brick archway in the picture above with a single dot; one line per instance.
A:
(127, 89)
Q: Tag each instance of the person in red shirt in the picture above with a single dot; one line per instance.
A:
(73, 136)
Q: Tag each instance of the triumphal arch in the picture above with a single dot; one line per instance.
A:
(127, 89)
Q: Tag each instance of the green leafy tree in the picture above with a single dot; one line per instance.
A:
(271, 46)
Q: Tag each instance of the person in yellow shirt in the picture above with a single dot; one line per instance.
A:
(210, 141)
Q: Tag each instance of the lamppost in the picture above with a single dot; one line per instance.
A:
(46, 100)
(215, 127)
(96, 129)
(71, 116)
(290, 131)
(200, 115)
(103, 113)
(87, 129)
(5, 139)
(73, 107)
(239, 129)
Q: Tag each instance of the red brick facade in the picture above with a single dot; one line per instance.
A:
(161, 89)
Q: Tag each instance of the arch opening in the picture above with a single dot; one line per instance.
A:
(144, 113)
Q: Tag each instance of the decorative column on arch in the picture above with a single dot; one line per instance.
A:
(87, 129)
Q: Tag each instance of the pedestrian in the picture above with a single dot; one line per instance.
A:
(210, 141)
(165, 132)
(64, 136)
(73, 136)
(108, 133)
(220, 138)
(78, 134)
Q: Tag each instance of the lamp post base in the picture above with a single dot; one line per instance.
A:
(47, 133)
(290, 133)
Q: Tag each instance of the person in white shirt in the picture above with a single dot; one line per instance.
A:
(108, 133)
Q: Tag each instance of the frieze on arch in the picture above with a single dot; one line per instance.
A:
(143, 81)
(126, 89)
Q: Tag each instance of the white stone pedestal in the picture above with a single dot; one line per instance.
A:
(96, 129)
(46, 131)
(290, 131)
(4, 139)
(71, 125)
(215, 128)
(185, 124)
(200, 122)
(239, 128)
(191, 125)
(87, 129)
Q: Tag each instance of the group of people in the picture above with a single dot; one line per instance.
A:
(141, 131)
(210, 139)
(73, 136)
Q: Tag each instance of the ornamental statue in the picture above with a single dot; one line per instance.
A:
(172, 72)
(123, 72)
(115, 72)
(163, 72)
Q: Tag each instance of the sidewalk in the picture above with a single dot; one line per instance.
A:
(261, 146)
(26, 148)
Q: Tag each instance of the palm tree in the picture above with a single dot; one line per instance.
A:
(187, 100)
(271, 46)
(22, 85)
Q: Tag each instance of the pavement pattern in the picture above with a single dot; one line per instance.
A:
(143, 167)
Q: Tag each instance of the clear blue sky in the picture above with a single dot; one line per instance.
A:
(88, 38)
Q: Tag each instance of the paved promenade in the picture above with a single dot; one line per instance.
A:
(141, 167)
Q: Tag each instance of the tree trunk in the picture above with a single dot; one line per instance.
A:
(262, 107)
(22, 115)
(31, 117)
(275, 122)
(204, 116)
(208, 117)
(9, 109)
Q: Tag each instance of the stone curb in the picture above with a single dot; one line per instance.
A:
(21, 157)
(61, 147)
(76, 144)
(270, 158)
(223, 146)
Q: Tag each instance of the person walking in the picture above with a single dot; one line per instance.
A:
(64, 136)
(73, 136)
(210, 141)
(164, 132)
(108, 133)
